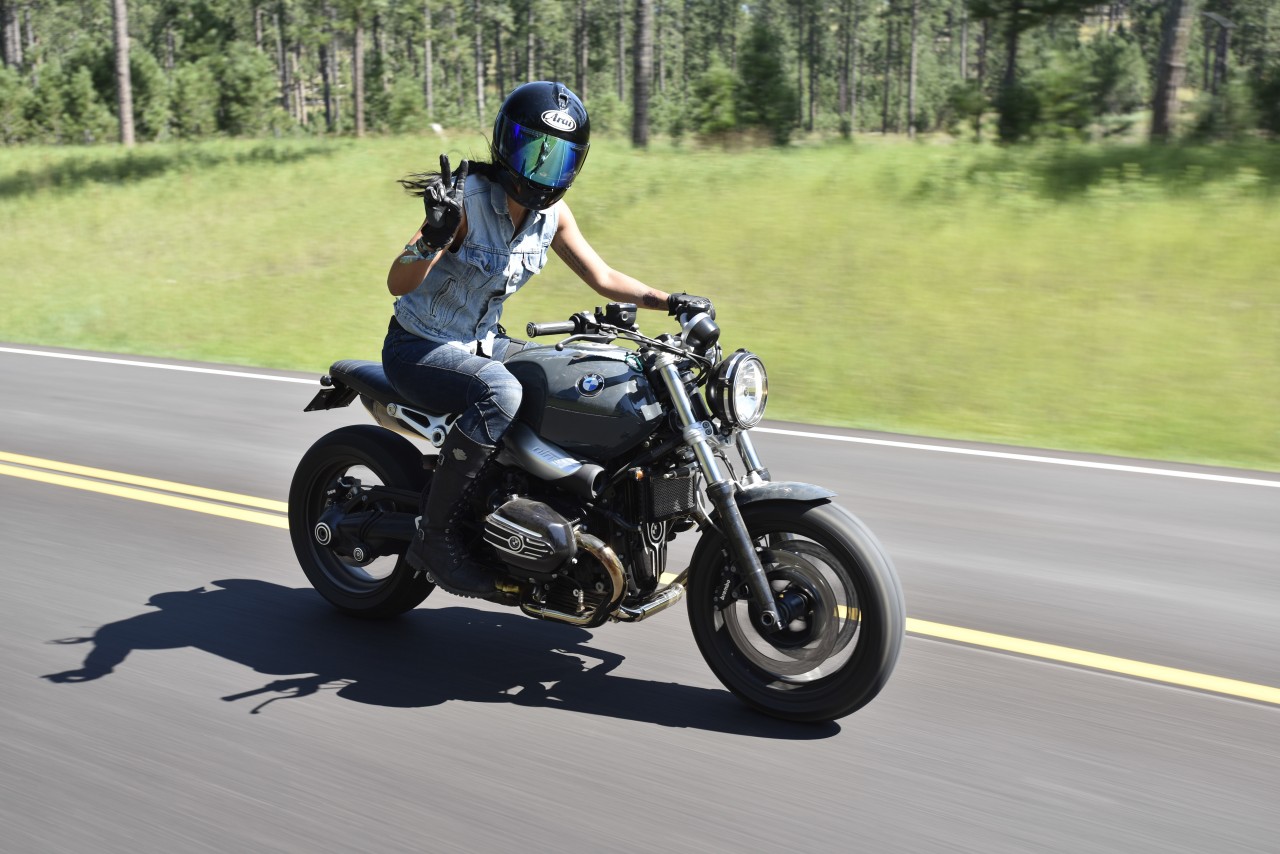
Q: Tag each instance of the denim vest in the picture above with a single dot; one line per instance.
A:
(461, 299)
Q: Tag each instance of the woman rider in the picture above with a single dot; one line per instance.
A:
(484, 235)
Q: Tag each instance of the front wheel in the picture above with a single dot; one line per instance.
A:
(841, 604)
(358, 469)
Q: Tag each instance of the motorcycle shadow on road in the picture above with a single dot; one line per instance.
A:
(426, 657)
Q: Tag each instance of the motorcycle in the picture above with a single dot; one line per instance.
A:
(615, 452)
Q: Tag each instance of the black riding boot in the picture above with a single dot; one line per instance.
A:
(437, 548)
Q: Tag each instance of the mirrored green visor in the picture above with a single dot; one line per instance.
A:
(537, 156)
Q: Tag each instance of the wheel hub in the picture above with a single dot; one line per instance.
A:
(815, 625)
(796, 599)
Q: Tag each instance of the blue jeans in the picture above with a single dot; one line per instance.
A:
(445, 378)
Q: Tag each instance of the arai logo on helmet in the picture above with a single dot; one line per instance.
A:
(559, 119)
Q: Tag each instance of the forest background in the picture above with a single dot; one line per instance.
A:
(1044, 222)
(1029, 68)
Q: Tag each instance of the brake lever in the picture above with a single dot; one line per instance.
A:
(586, 336)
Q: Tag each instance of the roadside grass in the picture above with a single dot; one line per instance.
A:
(1111, 299)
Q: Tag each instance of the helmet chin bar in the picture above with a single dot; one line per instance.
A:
(527, 194)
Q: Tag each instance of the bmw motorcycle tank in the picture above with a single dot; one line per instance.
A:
(592, 400)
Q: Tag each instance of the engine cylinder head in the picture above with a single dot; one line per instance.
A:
(530, 537)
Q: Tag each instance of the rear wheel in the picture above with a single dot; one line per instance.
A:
(358, 469)
(839, 598)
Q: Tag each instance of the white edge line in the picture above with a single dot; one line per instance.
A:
(1031, 458)
(137, 364)
(889, 443)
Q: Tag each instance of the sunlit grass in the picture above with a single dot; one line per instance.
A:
(1114, 300)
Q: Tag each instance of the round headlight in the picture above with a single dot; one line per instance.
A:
(738, 390)
(750, 391)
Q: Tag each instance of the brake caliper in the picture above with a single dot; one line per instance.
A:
(729, 589)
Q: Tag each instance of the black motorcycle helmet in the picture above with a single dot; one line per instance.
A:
(540, 141)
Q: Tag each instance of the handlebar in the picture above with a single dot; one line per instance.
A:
(618, 320)
(561, 327)
(615, 314)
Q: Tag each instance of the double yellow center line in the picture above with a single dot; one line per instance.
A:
(262, 511)
(215, 502)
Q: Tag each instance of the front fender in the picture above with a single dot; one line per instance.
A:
(782, 491)
(713, 538)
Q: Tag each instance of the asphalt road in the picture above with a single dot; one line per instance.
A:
(171, 684)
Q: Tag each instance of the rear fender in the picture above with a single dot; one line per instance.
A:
(332, 395)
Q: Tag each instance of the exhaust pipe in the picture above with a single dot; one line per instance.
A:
(660, 601)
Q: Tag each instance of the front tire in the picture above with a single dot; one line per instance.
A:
(386, 586)
(846, 614)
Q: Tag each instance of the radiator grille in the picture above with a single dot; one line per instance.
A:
(672, 496)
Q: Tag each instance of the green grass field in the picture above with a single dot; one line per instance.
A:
(1119, 300)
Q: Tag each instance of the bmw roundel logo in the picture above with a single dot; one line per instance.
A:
(590, 384)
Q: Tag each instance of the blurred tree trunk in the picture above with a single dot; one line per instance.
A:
(531, 45)
(659, 48)
(888, 68)
(842, 61)
(1220, 58)
(124, 83)
(983, 39)
(380, 50)
(478, 43)
(1172, 67)
(10, 39)
(170, 47)
(1207, 63)
(853, 67)
(299, 83)
(912, 74)
(580, 52)
(428, 61)
(454, 75)
(799, 63)
(357, 71)
(814, 64)
(5, 33)
(643, 73)
(1012, 36)
(622, 49)
(282, 63)
(327, 83)
(498, 67)
(899, 109)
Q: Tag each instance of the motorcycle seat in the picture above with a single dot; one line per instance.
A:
(369, 380)
(364, 377)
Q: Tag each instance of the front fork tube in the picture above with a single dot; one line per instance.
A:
(755, 468)
(720, 490)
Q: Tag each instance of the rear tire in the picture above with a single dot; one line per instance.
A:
(847, 617)
(388, 586)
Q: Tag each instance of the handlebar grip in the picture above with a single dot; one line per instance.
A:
(562, 327)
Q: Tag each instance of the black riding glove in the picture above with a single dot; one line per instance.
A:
(687, 305)
(443, 202)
